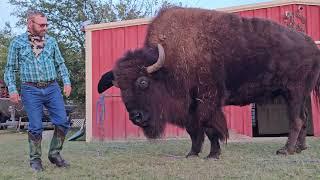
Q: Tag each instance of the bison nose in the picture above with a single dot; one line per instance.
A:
(136, 117)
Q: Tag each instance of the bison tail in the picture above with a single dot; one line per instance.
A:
(220, 124)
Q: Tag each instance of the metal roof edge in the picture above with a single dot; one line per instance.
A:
(261, 5)
(269, 4)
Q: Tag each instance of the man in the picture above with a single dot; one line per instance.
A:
(37, 59)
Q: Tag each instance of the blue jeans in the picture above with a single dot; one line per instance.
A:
(35, 99)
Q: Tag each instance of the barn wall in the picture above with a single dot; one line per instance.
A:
(313, 29)
(107, 42)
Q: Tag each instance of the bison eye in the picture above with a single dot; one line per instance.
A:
(142, 82)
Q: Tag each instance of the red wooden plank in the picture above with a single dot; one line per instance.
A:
(106, 64)
(315, 116)
(248, 13)
(239, 119)
(247, 126)
(131, 37)
(107, 58)
(274, 14)
(131, 42)
(319, 25)
(182, 132)
(106, 61)
(119, 116)
(230, 121)
(309, 21)
(107, 131)
(118, 49)
(95, 73)
(260, 13)
(313, 18)
(170, 131)
(142, 32)
(233, 123)
(242, 119)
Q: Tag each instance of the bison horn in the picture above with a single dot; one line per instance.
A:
(154, 67)
(106, 81)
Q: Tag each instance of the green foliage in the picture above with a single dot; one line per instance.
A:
(65, 18)
(5, 38)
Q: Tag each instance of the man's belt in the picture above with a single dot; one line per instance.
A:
(42, 84)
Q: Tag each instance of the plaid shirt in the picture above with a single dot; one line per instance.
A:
(31, 69)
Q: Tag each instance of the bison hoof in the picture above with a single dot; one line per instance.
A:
(300, 148)
(282, 151)
(285, 151)
(214, 156)
(191, 154)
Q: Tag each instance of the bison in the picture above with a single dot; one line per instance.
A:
(195, 61)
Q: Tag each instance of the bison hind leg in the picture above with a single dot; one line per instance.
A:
(301, 143)
(296, 122)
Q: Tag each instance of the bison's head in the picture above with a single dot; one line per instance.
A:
(140, 77)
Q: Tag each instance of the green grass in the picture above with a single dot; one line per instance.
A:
(162, 159)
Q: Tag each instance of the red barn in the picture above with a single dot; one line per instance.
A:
(105, 43)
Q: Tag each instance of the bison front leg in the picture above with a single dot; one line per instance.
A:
(290, 145)
(210, 115)
(197, 137)
(213, 120)
(216, 129)
(215, 150)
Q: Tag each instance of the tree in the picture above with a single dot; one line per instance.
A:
(65, 18)
(5, 37)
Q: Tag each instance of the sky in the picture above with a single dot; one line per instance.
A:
(6, 8)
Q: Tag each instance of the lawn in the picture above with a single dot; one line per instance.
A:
(161, 159)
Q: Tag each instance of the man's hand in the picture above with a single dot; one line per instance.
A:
(67, 90)
(14, 97)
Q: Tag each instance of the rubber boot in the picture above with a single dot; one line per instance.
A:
(56, 147)
(35, 152)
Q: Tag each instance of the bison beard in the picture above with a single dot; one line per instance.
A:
(195, 61)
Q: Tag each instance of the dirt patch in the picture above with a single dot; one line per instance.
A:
(236, 137)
